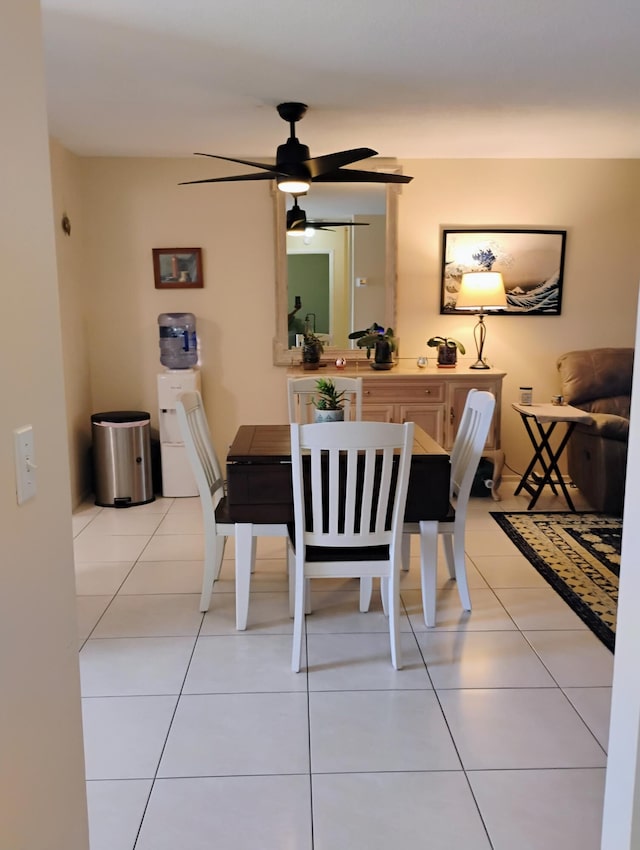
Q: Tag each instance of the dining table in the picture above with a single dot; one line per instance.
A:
(259, 488)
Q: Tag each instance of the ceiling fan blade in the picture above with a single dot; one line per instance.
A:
(263, 165)
(264, 176)
(352, 175)
(321, 224)
(332, 161)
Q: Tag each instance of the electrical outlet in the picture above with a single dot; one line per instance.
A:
(25, 463)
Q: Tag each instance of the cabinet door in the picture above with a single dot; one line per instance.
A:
(430, 417)
(382, 412)
(457, 399)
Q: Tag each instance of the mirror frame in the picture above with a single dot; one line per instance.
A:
(282, 354)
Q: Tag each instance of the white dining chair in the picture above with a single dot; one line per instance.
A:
(302, 390)
(349, 493)
(195, 432)
(467, 450)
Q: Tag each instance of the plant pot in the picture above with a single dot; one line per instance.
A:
(447, 355)
(311, 356)
(328, 415)
(383, 354)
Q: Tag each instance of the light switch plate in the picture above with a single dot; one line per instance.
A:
(25, 463)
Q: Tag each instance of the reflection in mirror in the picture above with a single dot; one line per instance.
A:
(344, 279)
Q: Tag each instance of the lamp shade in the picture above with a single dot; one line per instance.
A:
(481, 291)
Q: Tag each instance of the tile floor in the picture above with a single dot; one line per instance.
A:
(197, 736)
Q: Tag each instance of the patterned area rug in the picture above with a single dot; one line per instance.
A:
(579, 555)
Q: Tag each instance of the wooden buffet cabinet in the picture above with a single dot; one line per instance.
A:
(431, 397)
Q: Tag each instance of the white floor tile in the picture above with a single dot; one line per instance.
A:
(407, 727)
(174, 547)
(518, 728)
(89, 609)
(268, 614)
(540, 809)
(363, 662)
(186, 522)
(134, 666)
(164, 577)
(95, 578)
(538, 608)
(574, 658)
(231, 813)
(508, 571)
(337, 611)
(594, 706)
(108, 547)
(238, 734)
(124, 736)
(482, 660)
(376, 811)
(124, 521)
(115, 812)
(270, 576)
(242, 663)
(487, 612)
(159, 615)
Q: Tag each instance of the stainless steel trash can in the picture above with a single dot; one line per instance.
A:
(122, 458)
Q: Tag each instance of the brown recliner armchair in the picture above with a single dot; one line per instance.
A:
(599, 381)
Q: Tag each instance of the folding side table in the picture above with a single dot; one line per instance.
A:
(540, 421)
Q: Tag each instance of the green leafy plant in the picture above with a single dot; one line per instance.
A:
(369, 337)
(311, 339)
(447, 341)
(328, 397)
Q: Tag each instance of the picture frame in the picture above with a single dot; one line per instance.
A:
(177, 268)
(531, 263)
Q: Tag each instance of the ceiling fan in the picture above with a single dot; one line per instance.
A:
(295, 169)
(297, 221)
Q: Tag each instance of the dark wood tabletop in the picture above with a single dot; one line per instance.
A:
(259, 476)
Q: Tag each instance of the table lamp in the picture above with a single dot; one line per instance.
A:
(481, 291)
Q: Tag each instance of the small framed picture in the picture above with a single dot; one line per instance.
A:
(177, 268)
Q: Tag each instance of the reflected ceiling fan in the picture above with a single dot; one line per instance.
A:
(297, 221)
(295, 169)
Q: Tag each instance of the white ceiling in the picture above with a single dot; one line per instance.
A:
(409, 78)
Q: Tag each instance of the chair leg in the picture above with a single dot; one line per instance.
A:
(448, 554)
(406, 552)
(213, 554)
(245, 558)
(298, 621)
(456, 543)
(428, 569)
(366, 589)
(384, 595)
(392, 592)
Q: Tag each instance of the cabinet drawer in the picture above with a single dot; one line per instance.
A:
(399, 391)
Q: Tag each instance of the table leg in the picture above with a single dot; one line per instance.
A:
(245, 558)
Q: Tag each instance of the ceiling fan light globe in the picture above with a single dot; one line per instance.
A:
(293, 185)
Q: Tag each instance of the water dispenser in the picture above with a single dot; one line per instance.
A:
(178, 341)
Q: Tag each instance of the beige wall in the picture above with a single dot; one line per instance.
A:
(41, 762)
(130, 206)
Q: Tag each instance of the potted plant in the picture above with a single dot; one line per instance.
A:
(328, 401)
(447, 349)
(312, 348)
(384, 343)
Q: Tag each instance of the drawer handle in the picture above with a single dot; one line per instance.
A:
(367, 392)
(427, 392)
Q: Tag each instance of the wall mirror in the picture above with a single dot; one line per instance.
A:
(344, 279)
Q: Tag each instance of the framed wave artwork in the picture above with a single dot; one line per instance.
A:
(531, 263)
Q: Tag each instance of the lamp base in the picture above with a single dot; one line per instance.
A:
(479, 364)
